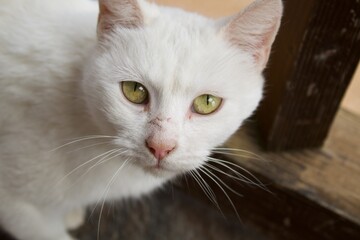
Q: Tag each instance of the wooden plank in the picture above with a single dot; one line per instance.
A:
(330, 175)
(316, 193)
(282, 214)
(313, 61)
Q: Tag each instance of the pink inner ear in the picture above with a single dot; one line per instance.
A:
(265, 44)
(254, 29)
(256, 43)
(124, 13)
(103, 24)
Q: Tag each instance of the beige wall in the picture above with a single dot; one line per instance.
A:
(217, 8)
(212, 8)
(351, 101)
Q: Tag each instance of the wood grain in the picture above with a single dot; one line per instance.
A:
(313, 61)
(329, 176)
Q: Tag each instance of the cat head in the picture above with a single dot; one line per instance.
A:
(172, 85)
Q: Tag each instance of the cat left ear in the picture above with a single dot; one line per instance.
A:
(254, 29)
(123, 13)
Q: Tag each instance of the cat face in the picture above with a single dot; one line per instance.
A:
(172, 85)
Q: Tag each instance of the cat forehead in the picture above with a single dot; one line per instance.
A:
(180, 33)
(178, 52)
(176, 55)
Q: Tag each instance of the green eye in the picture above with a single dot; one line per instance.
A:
(135, 92)
(206, 104)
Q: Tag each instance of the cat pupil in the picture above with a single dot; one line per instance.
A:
(135, 87)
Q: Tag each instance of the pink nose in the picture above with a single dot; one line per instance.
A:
(160, 150)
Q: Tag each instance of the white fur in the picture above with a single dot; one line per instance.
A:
(57, 84)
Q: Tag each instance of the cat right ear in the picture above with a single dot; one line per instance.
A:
(123, 13)
(254, 29)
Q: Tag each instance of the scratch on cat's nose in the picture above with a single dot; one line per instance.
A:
(160, 150)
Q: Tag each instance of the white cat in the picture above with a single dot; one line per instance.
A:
(140, 103)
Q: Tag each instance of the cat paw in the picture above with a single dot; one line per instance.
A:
(75, 219)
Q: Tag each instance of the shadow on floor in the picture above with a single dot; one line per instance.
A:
(168, 214)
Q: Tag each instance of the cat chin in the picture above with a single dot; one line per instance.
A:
(160, 172)
(150, 166)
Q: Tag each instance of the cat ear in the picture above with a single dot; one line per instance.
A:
(254, 29)
(124, 13)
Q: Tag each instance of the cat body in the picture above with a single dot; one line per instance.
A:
(68, 135)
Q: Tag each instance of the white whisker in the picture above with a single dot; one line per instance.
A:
(105, 193)
(89, 146)
(85, 163)
(238, 176)
(204, 170)
(103, 160)
(206, 189)
(80, 140)
(225, 151)
(227, 163)
(106, 159)
(241, 176)
(222, 189)
(243, 155)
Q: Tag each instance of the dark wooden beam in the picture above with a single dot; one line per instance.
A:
(314, 58)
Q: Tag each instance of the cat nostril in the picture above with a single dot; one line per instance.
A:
(160, 151)
(152, 150)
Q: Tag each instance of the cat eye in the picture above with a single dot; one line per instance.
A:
(135, 92)
(206, 104)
